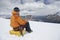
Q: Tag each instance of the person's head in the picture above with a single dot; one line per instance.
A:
(16, 11)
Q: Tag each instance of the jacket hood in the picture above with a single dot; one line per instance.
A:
(14, 13)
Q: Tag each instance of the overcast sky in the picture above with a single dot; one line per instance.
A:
(6, 7)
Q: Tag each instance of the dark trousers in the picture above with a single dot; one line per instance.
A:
(27, 26)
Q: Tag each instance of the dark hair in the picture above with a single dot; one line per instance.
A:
(16, 9)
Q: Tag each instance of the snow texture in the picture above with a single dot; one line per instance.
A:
(41, 31)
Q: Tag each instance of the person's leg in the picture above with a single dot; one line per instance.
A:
(27, 26)
(21, 28)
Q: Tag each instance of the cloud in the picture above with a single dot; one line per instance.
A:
(34, 8)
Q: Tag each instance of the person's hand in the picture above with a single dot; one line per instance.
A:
(21, 28)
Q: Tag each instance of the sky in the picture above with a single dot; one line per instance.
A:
(33, 8)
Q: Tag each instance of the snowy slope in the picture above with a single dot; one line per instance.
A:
(41, 31)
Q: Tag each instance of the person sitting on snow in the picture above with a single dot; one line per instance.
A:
(17, 23)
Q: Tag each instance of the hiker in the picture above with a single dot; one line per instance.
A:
(17, 23)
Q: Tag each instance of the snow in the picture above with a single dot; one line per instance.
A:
(41, 31)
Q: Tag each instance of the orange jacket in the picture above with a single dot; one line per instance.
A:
(16, 21)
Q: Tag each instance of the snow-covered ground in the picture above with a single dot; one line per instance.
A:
(41, 31)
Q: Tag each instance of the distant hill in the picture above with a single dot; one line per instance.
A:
(53, 18)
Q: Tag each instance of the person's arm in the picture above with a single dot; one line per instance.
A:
(21, 21)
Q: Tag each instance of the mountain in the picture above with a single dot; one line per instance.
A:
(55, 18)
